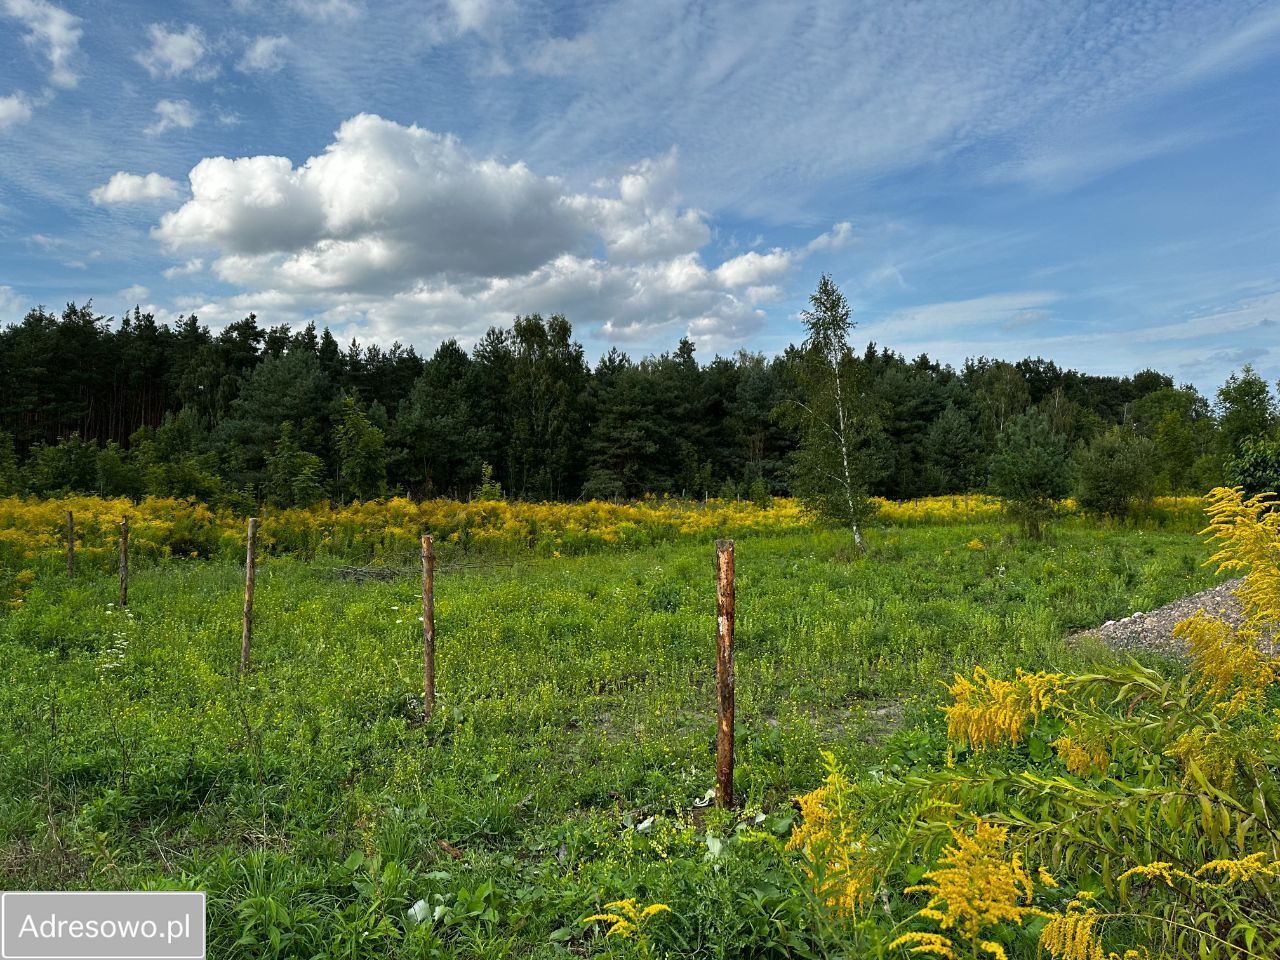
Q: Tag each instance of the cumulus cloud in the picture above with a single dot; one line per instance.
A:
(176, 52)
(263, 55)
(194, 265)
(132, 188)
(408, 231)
(382, 203)
(54, 31)
(171, 114)
(13, 110)
(835, 238)
(753, 269)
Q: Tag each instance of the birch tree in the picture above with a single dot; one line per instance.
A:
(840, 453)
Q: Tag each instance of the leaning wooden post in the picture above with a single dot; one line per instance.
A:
(428, 627)
(124, 563)
(724, 672)
(71, 544)
(250, 568)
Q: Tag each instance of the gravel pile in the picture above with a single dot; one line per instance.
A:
(1153, 632)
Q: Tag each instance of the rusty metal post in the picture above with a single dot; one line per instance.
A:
(724, 672)
(428, 627)
(250, 571)
(124, 563)
(71, 544)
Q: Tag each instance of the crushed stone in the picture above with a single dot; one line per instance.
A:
(1152, 631)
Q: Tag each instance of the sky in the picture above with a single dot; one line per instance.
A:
(1095, 183)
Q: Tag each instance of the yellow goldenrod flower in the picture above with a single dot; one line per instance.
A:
(989, 712)
(1082, 755)
(626, 918)
(1242, 870)
(835, 855)
(979, 885)
(933, 944)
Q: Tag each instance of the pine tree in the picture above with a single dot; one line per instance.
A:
(1030, 470)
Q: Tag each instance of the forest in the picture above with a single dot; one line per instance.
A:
(256, 414)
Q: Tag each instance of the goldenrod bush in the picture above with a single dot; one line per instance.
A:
(1178, 512)
(1099, 816)
(33, 529)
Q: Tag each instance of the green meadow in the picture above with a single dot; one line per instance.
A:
(568, 760)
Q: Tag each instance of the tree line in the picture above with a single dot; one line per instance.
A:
(257, 414)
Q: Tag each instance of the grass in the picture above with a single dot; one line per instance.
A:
(324, 819)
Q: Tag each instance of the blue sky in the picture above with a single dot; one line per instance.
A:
(1095, 183)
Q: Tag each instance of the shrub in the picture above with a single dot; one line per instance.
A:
(1256, 467)
(1115, 473)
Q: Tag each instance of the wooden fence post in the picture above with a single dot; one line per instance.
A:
(124, 563)
(428, 627)
(250, 569)
(71, 544)
(724, 672)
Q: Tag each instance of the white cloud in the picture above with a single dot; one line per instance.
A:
(382, 202)
(941, 319)
(1256, 37)
(559, 56)
(408, 233)
(11, 305)
(756, 273)
(991, 326)
(171, 114)
(774, 101)
(645, 220)
(835, 238)
(13, 110)
(194, 265)
(472, 14)
(263, 55)
(135, 294)
(132, 188)
(326, 10)
(53, 29)
(753, 269)
(46, 242)
(176, 52)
